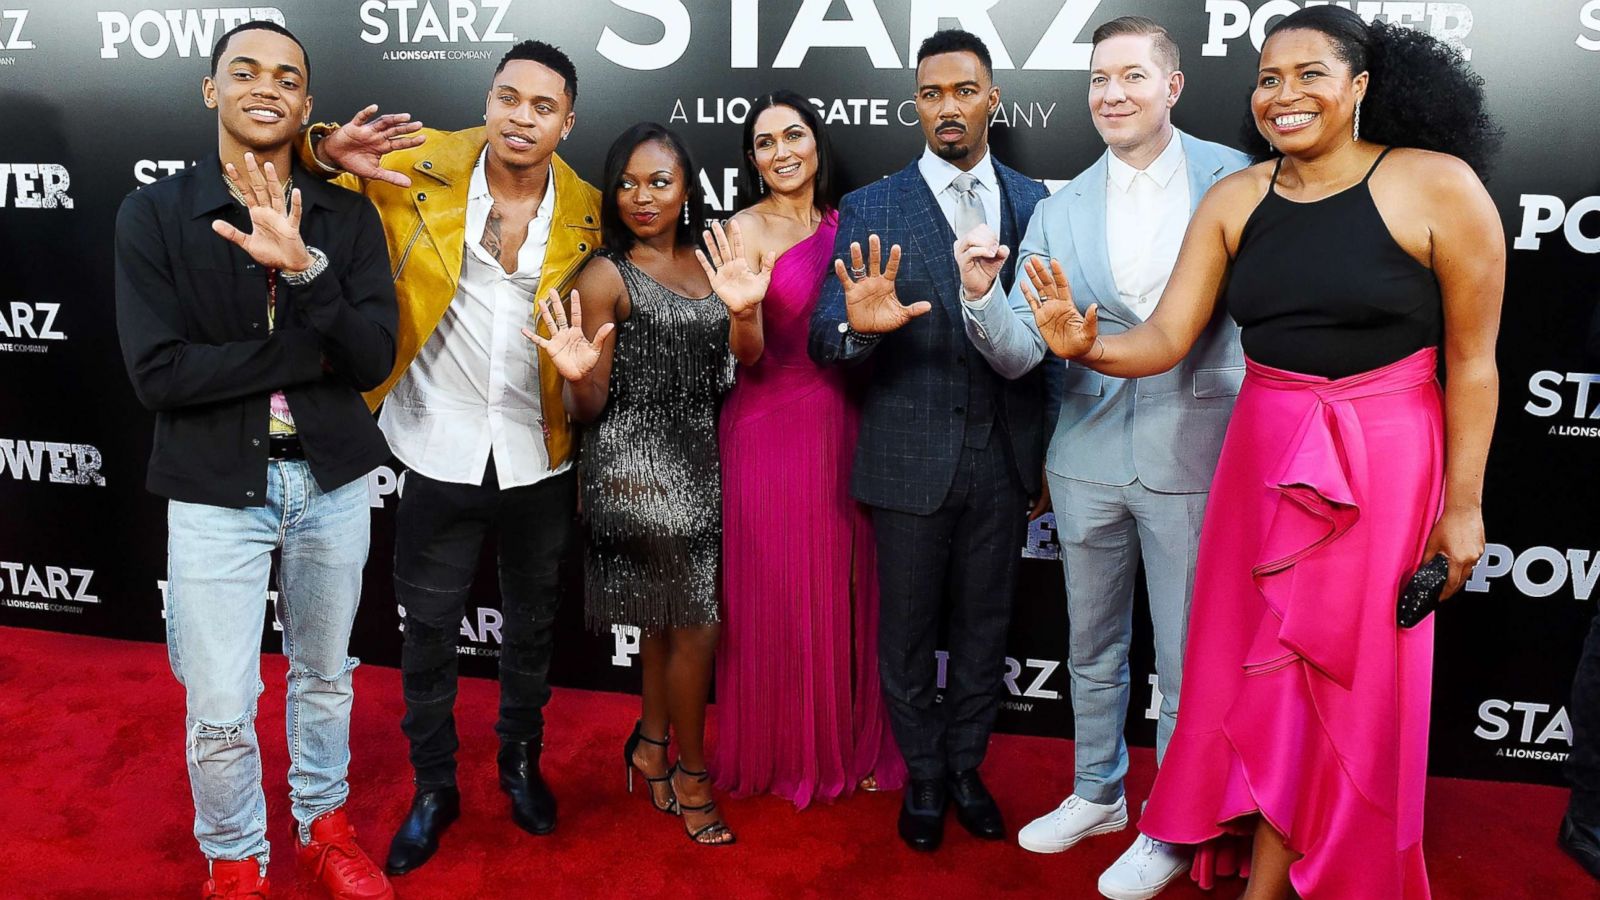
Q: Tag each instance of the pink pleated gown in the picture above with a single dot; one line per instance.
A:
(799, 709)
(1302, 700)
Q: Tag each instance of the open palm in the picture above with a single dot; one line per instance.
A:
(870, 301)
(1068, 333)
(358, 145)
(274, 240)
(573, 355)
(741, 288)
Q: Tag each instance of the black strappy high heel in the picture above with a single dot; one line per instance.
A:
(712, 833)
(671, 808)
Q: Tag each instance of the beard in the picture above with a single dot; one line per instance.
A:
(953, 151)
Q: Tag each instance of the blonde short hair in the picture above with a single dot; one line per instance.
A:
(1161, 43)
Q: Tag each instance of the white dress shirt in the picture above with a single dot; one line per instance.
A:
(1147, 212)
(939, 172)
(473, 389)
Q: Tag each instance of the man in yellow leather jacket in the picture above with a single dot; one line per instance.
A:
(481, 224)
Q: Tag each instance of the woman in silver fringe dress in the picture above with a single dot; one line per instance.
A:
(650, 473)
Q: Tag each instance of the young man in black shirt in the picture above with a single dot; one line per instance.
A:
(253, 306)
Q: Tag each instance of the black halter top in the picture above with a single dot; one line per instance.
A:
(1323, 288)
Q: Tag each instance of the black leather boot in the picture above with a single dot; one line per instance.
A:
(431, 813)
(533, 807)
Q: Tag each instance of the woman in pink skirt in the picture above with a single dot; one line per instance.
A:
(799, 709)
(1363, 245)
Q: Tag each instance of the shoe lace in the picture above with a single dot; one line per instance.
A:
(1068, 805)
(341, 854)
(349, 863)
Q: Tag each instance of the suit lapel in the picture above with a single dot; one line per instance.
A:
(1204, 169)
(932, 238)
(1089, 239)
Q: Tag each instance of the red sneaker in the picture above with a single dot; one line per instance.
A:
(341, 866)
(236, 880)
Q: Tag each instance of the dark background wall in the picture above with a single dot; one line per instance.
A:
(98, 97)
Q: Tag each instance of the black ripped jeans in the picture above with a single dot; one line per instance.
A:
(439, 533)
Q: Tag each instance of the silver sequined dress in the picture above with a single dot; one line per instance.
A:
(652, 492)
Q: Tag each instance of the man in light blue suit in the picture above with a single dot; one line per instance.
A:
(1130, 461)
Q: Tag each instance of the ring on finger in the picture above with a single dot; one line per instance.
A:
(858, 272)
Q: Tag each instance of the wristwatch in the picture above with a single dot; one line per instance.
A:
(859, 337)
(319, 262)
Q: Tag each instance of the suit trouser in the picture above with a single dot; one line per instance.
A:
(439, 531)
(1583, 766)
(966, 551)
(1104, 530)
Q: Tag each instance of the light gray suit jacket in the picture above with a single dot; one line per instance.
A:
(1164, 430)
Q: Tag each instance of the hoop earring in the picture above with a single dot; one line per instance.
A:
(1355, 130)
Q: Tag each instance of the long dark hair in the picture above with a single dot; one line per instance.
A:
(825, 194)
(1420, 92)
(615, 233)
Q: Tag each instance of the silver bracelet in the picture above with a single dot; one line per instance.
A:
(319, 263)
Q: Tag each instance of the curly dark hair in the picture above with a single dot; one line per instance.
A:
(258, 25)
(550, 57)
(616, 235)
(826, 189)
(1420, 92)
(954, 40)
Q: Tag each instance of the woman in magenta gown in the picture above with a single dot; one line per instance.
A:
(799, 709)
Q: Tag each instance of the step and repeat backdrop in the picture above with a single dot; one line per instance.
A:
(99, 97)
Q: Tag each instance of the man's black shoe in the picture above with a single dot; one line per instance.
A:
(922, 814)
(533, 807)
(1579, 843)
(975, 807)
(431, 813)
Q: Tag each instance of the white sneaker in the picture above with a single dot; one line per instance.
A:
(1143, 870)
(1071, 822)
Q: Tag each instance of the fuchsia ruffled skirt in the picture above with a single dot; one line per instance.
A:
(1302, 700)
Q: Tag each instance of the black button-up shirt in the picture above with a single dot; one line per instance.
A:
(192, 319)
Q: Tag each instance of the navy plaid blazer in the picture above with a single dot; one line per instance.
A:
(914, 403)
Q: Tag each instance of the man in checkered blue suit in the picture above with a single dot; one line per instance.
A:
(950, 453)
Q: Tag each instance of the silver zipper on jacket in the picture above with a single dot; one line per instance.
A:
(406, 254)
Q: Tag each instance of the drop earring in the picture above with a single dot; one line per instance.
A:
(762, 183)
(685, 212)
(1355, 130)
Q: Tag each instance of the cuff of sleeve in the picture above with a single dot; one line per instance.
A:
(320, 291)
(314, 135)
(982, 303)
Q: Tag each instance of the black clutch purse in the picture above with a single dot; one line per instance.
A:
(1420, 597)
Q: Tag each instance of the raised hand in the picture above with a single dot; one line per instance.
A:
(573, 355)
(979, 257)
(1068, 333)
(741, 288)
(870, 302)
(358, 145)
(274, 240)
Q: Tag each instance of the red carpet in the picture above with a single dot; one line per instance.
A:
(96, 804)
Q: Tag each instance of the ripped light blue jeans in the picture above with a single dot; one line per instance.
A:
(218, 564)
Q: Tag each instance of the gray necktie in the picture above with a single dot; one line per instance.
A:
(969, 207)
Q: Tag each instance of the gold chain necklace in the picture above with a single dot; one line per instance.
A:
(233, 189)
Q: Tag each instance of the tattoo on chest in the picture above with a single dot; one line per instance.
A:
(491, 233)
